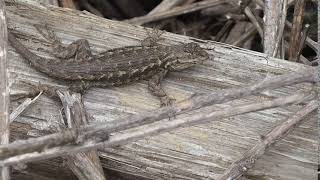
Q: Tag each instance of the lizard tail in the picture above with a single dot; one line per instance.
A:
(35, 60)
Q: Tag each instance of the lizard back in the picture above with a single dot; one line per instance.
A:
(118, 66)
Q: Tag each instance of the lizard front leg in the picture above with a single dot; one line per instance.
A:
(153, 37)
(155, 88)
(78, 49)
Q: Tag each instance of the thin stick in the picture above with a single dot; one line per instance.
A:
(224, 30)
(242, 165)
(305, 60)
(303, 39)
(250, 32)
(175, 12)
(296, 30)
(271, 25)
(166, 5)
(142, 132)
(254, 20)
(281, 28)
(26, 103)
(311, 43)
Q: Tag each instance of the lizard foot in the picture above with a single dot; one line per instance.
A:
(166, 101)
(79, 86)
(154, 36)
(37, 88)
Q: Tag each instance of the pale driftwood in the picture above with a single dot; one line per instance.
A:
(89, 132)
(123, 138)
(191, 153)
(85, 165)
(243, 165)
(126, 137)
(4, 88)
(281, 25)
(272, 19)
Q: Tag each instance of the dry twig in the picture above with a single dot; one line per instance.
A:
(302, 44)
(254, 20)
(314, 45)
(242, 165)
(311, 43)
(279, 36)
(250, 32)
(175, 12)
(272, 10)
(18, 156)
(166, 5)
(27, 102)
(223, 30)
(296, 30)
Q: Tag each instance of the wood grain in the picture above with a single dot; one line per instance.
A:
(4, 87)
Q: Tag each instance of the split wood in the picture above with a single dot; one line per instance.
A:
(15, 153)
(85, 165)
(85, 138)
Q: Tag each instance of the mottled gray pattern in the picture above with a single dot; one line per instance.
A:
(118, 66)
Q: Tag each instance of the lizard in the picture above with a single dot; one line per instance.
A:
(76, 63)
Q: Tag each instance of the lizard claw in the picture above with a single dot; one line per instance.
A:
(38, 87)
(166, 101)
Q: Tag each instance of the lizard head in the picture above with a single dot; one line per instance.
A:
(188, 55)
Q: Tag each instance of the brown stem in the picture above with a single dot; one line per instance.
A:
(296, 30)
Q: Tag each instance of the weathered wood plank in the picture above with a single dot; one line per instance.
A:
(4, 87)
(199, 152)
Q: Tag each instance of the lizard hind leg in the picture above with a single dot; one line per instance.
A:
(79, 86)
(79, 50)
(155, 88)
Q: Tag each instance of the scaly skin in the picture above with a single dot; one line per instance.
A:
(113, 67)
